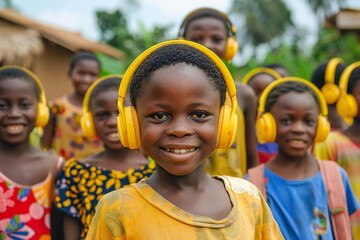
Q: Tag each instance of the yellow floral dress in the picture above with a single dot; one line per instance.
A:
(68, 140)
(139, 212)
(80, 186)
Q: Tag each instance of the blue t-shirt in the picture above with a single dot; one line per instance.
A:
(300, 207)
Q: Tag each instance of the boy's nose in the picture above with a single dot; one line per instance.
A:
(209, 44)
(180, 128)
(14, 112)
(298, 127)
(111, 122)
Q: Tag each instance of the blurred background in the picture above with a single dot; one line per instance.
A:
(42, 35)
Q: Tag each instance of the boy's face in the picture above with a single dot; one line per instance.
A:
(104, 112)
(259, 83)
(18, 110)
(85, 72)
(296, 119)
(178, 113)
(209, 32)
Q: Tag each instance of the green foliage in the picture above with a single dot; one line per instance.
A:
(265, 20)
(114, 30)
(332, 44)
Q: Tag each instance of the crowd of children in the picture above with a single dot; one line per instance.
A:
(161, 152)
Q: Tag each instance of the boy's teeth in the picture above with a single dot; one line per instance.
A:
(180, 150)
(297, 141)
(14, 128)
(114, 135)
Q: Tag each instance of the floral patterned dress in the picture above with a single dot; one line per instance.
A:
(68, 140)
(25, 210)
(80, 186)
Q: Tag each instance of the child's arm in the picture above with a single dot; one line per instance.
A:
(247, 103)
(72, 228)
(48, 132)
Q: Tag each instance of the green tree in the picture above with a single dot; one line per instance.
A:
(115, 31)
(264, 20)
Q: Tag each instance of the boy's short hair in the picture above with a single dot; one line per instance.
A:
(104, 85)
(173, 54)
(287, 87)
(259, 74)
(354, 77)
(14, 72)
(318, 76)
(81, 56)
(205, 13)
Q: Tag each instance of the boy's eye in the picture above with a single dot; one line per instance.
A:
(4, 106)
(25, 105)
(160, 116)
(285, 121)
(310, 122)
(100, 115)
(199, 115)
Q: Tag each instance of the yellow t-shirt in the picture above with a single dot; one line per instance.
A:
(138, 212)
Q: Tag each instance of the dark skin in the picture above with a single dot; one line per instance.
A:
(247, 102)
(19, 160)
(336, 122)
(353, 132)
(104, 112)
(296, 116)
(179, 112)
(84, 73)
(212, 33)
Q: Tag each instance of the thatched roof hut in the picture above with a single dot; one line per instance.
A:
(45, 49)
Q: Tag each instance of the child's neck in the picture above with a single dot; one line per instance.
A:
(76, 99)
(353, 132)
(16, 149)
(162, 180)
(293, 168)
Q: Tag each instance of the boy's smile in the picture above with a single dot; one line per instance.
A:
(296, 118)
(178, 113)
(18, 109)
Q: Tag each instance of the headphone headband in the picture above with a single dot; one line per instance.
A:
(232, 29)
(344, 78)
(268, 89)
(331, 69)
(255, 71)
(213, 57)
(91, 88)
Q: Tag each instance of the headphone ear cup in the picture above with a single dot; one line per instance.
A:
(226, 130)
(322, 129)
(331, 93)
(266, 128)
(132, 128)
(231, 48)
(87, 125)
(347, 106)
(42, 116)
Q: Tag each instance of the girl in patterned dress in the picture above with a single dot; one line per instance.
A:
(26, 172)
(81, 184)
(63, 133)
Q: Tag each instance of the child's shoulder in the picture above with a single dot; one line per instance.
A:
(240, 186)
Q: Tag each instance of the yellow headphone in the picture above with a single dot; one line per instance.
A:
(347, 106)
(231, 43)
(127, 121)
(86, 121)
(42, 116)
(265, 122)
(255, 71)
(330, 90)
